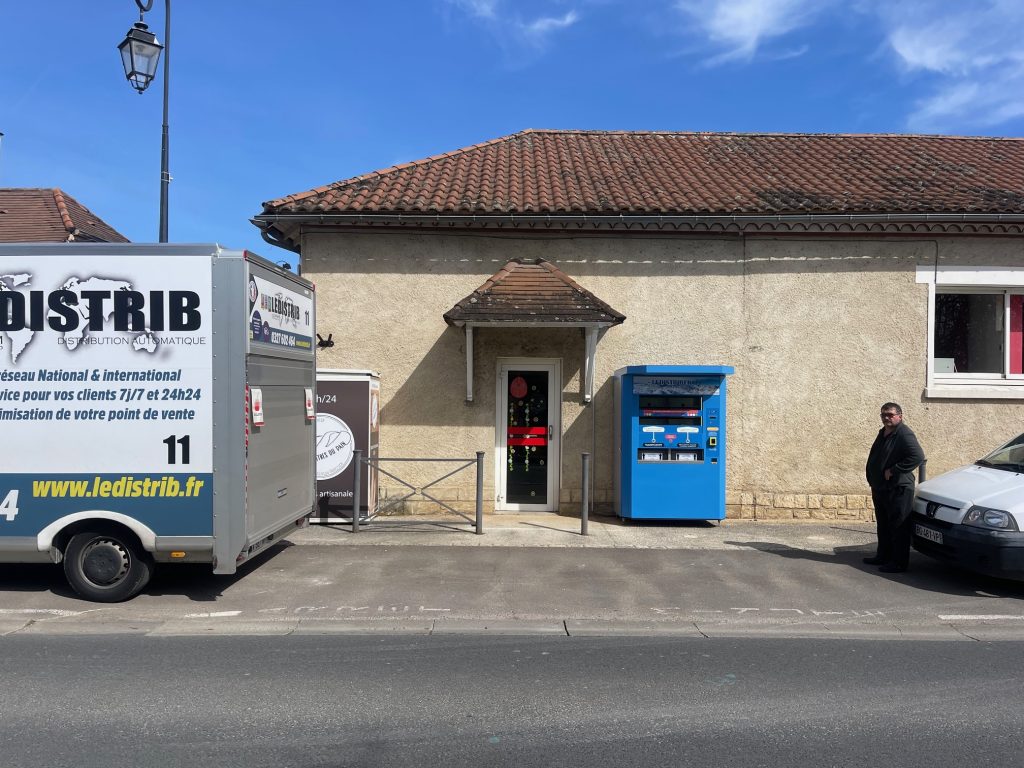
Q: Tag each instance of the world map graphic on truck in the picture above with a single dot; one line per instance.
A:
(79, 306)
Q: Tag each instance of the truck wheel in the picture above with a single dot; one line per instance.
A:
(106, 567)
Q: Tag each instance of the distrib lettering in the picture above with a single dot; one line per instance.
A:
(65, 311)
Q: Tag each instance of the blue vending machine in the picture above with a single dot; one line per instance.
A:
(670, 442)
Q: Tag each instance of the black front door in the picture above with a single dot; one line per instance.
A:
(526, 440)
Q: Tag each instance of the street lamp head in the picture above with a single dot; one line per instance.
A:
(140, 54)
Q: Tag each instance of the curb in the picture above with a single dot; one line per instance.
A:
(567, 628)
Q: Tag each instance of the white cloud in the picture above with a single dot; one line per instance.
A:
(481, 9)
(510, 29)
(547, 25)
(953, 40)
(740, 27)
(972, 51)
(964, 104)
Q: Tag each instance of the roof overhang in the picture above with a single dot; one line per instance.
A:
(533, 293)
(284, 229)
(542, 324)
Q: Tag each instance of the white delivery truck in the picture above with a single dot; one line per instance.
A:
(156, 405)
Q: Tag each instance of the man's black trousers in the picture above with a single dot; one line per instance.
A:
(893, 506)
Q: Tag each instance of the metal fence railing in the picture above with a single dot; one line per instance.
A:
(419, 491)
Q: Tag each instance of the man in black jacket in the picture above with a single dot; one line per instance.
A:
(894, 456)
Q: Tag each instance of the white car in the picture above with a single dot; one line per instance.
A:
(973, 517)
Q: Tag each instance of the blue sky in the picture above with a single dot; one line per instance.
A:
(270, 98)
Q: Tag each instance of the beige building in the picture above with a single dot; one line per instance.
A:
(833, 272)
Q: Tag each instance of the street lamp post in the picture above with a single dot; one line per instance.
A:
(140, 54)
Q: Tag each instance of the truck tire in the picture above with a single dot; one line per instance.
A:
(106, 567)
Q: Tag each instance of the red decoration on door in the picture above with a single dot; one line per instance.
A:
(518, 387)
(527, 440)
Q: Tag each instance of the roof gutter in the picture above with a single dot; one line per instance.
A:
(273, 236)
(265, 220)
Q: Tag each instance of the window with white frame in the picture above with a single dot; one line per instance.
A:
(975, 330)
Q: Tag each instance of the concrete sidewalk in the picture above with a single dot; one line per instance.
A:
(553, 530)
(535, 574)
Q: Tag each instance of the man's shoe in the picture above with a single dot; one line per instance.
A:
(893, 569)
(873, 561)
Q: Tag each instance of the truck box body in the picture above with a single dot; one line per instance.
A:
(162, 389)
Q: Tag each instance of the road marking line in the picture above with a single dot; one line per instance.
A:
(978, 617)
(216, 615)
(49, 611)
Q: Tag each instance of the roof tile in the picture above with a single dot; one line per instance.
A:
(619, 172)
(50, 216)
(531, 291)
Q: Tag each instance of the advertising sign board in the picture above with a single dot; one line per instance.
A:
(112, 358)
(279, 316)
(347, 418)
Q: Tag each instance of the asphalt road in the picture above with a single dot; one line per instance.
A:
(750, 589)
(359, 700)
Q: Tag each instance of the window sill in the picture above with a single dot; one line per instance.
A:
(975, 391)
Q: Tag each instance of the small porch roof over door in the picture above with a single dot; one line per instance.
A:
(533, 293)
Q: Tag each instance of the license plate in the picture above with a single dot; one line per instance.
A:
(928, 533)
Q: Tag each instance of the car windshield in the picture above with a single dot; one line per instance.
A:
(1009, 457)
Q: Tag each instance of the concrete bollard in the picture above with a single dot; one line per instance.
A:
(585, 510)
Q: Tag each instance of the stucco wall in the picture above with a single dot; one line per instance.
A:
(820, 332)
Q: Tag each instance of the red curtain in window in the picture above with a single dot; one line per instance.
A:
(1016, 334)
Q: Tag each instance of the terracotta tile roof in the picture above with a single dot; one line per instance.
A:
(617, 172)
(531, 291)
(50, 216)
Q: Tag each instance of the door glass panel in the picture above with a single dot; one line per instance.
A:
(526, 438)
(1016, 333)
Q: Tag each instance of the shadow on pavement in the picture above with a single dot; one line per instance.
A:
(34, 577)
(195, 581)
(653, 523)
(198, 582)
(843, 555)
(924, 573)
